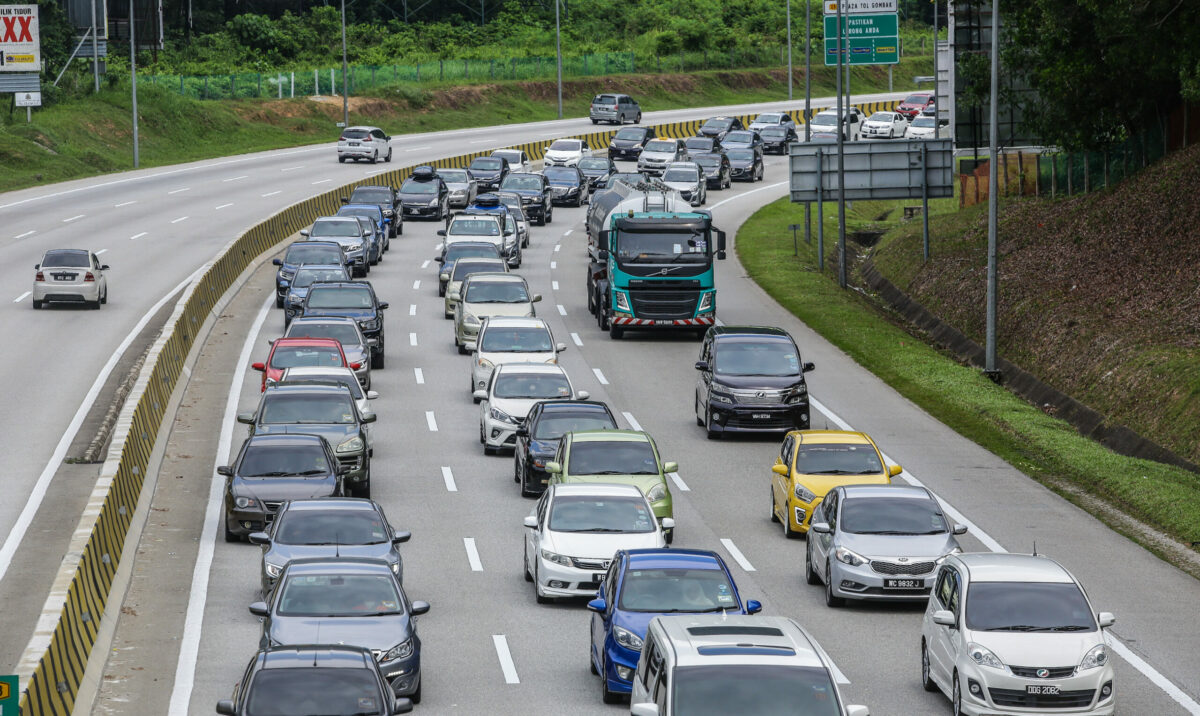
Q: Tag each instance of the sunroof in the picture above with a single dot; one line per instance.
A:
(726, 630)
(746, 650)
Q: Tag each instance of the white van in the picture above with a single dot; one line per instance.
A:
(702, 665)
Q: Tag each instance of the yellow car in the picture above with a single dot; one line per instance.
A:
(813, 462)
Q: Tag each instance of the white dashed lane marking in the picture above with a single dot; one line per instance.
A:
(737, 555)
(448, 478)
(22, 297)
(506, 661)
(429, 419)
(577, 340)
(600, 376)
(561, 311)
(420, 376)
(472, 554)
(176, 221)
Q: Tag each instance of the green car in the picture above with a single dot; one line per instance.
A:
(627, 457)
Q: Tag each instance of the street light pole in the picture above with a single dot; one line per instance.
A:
(808, 130)
(993, 140)
(95, 50)
(789, 34)
(345, 71)
(133, 82)
(558, 54)
(841, 163)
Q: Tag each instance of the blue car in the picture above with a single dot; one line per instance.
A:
(645, 583)
(374, 213)
(304, 252)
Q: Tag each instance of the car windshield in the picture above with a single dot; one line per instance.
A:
(462, 269)
(772, 357)
(773, 132)
(370, 213)
(604, 457)
(553, 425)
(824, 120)
(336, 595)
(511, 157)
(1028, 606)
(707, 161)
(891, 516)
(516, 339)
(301, 254)
(496, 292)
(652, 247)
(566, 145)
(371, 196)
(66, 259)
(739, 138)
(718, 123)
(585, 513)
(660, 145)
(346, 228)
(468, 250)
(327, 408)
(455, 176)
(741, 155)
(630, 133)
(314, 690)
(292, 356)
(593, 163)
(627, 177)
(677, 590)
(769, 118)
(339, 297)
(680, 174)
(412, 186)
(560, 174)
(761, 689)
(542, 386)
(518, 182)
(344, 333)
(916, 99)
(474, 227)
(305, 277)
(837, 459)
(487, 163)
(923, 121)
(330, 527)
(281, 461)
(880, 117)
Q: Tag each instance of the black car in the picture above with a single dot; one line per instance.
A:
(718, 127)
(425, 195)
(776, 139)
(320, 679)
(538, 439)
(568, 185)
(627, 143)
(353, 299)
(387, 199)
(745, 164)
(270, 469)
(304, 252)
(597, 170)
(750, 379)
(718, 173)
(535, 195)
(703, 145)
(462, 250)
(489, 172)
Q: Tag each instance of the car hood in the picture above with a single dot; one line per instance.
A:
(637, 622)
(879, 125)
(275, 489)
(563, 155)
(343, 240)
(377, 633)
(488, 174)
(593, 173)
(565, 183)
(757, 382)
(499, 309)
(822, 484)
(626, 143)
(664, 156)
(735, 145)
(497, 358)
(358, 314)
(333, 432)
(355, 354)
(644, 482)
(457, 185)
(524, 192)
(587, 545)
(547, 447)
(681, 185)
(283, 553)
(417, 198)
(916, 547)
(1037, 648)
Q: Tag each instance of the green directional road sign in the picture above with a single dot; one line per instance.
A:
(869, 39)
(9, 697)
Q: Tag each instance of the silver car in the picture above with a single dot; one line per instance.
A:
(370, 143)
(658, 153)
(462, 186)
(344, 330)
(511, 340)
(70, 276)
(335, 375)
(463, 268)
(347, 231)
(878, 542)
(616, 108)
(688, 179)
(484, 295)
(518, 160)
(511, 392)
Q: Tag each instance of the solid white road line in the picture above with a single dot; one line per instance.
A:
(553, 265)
(321, 181)
(412, 339)
(577, 340)
(22, 297)
(34, 501)
(135, 237)
(101, 251)
(739, 196)
(291, 169)
(429, 420)
(1162, 682)
(412, 309)
(472, 554)
(417, 284)
(600, 376)
(448, 478)
(479, 141)
(420, 376)
(244, 176)
(27, 233)
(272, 193)
(633, 423)
(415, 149)
(425, 264)
(124, 203)
(737, 555)
(679, 482)
(557, 247)
(554, 285)
(568, 233)
(176, 221)
(73, 218)
(561, 311)
(222, 206)
(506, 661)
(189, 643)
(179, 191)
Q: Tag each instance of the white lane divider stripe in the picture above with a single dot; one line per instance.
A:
(577, 340)
(737, 555)
(633, 423)
(420, 376)
(412, 309)
(506, 661)
(244, 176)
(272, 193)
(101, 251)
(557, 247)
(135, 237)
(561, 311)
(739, 196)
(179, 191)
(291, 169)
(554, 285)
(600, 376)
(321, 181)
(448, 478)
(425, 264)
(472, 554)
(415, 149)
(176, 221)
(22, 297)
(73, 218)
(222, 206)
(679, 481)
(568, 233)
(416, 284)
(412, 339)
(553, 265)
(124, 203)
(430, 421)
(27, 233)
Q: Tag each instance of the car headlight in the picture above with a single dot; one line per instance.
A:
(656, 493)
(295, 300)
(1095, 658)
(721, 397)
(354, 444)
(395, 568)
(526, 199)
(245, 503)
(470, 319)
(403, 650)
(706, 302)
(435, 201)
(622, 301)
(286, 275)
(484, 363)
(498, 414)
(984, 657)
(354, 247)
(804, 494)
(849, 557)
(272, 570)
(370, 325)
(627, 639)
(443, 277)
(556, 558)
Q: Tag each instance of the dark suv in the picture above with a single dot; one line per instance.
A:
(424, 194)
(489, 172)
(538, 439)
(387, 199)
(305, 252)
(534, 190)
(750, 379)
(352, 299)
(627, 143)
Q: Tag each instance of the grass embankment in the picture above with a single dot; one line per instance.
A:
(1046, 448)
(85, 137)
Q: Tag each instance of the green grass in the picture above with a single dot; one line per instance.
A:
(84, 137)
(1043, 447)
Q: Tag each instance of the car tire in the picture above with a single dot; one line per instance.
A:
(810, 574)
(615, 332)
(550, 216)
(602, 317)
(541, 221)
(462, 348)
(278, 301)
(95, 305)
(956, 697)
(37, 305)
(104, 298)
(696, 410)
(388, 159)
(488, 449)
(537, 590)
(638, 118)
(788, 532)
(774, 517)
(831, 600)
(592, 664)
(375, 157)
(341, 160)
(927, 682)
(230, 536)
(607, 696)
(595, 121)
(377, 360)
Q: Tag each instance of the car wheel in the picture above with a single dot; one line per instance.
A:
(375, 157)
(926, 681)
(602, 318)
(541, 220)
(37, 305)
(416, 695)
(592, 664)
(595, 121)
(638, 118)
(956, 698)
(278, 301)
(488, 449)
(388, 158)
(788, 532)
(550, 217)
(441, 291)
(830, 599)
(537, 590)
(607, 696)
(696, 410)
(774, 517)
(462, 348)
(377, 359)
(615, 332)
(341, 160)
(95, 305)
(810, 574)
(525, 565)
(104, 298)
(230, 536)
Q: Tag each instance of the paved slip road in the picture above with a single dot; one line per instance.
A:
(648, 380)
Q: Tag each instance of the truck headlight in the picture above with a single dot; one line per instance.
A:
(627, 639)
(622, 301)
(803, 493)
(354, 444)
(706, 302)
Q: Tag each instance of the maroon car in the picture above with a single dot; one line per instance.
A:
(915, 103)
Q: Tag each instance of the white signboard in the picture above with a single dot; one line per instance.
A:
(861, 7)
(20, 46)
(28, 99)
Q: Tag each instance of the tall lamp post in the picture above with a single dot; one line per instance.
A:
(558, 54)
(789, 33)
(345, 71)
(993, 140)
(133, 82)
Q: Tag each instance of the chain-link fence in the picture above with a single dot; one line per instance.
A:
(1076, 172)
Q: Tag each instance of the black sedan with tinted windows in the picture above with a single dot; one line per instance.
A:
(718, 127)
(628, 142)
(425, 195)
(351, 299)
(538, 439)
(568, 185)
(745, 164)
(717, 171)
(776, 139)
(597, 170)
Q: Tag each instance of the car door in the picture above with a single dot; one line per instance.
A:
(823, 543)
(704, 378)
(942, 646)
(781, 483)
(530, 425)
(533, 535)
(600, 620)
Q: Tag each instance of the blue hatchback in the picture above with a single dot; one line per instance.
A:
(645, 583)
(383, 223)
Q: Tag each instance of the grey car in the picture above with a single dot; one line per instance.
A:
(462, 186)
(344, 330)
(347, 600)
(329, 527)
(881, 542)
(687, 178)
(615, 108)
(347, 231)
(306, 275)
(658, 153)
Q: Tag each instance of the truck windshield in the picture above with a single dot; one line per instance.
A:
(647, 247)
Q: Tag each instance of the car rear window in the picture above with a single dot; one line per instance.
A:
(604, 99)
(354, 134)
(316, 409)
(339, 297)
(462, 268)
(313, 255)
(343, 333)
(328, 227)
(371, 196)
(474, 227)
(631, 133)
(66, 259)
(486, 163)
(294, 356)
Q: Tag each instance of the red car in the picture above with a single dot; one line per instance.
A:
(915, 103)
(296, 352)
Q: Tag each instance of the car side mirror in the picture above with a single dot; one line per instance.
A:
(530, 521)
(404, 705)
(1105, 619)
(822, 528)
(259, 538)
(225, 706)
(809, 367)
(419, 608)
(894, 470)
(523, 432)
(780, 469)
(277, 262)
(345, 200)
(560, 347)
(668, 523)
(960, 529)
(553, 467)
(597, 605)
(372, 394)
(670, 466)
(383, 305)
(246, 418)
(103, 267)
(226, 470)
(37, 266)
(260, 367)
(582, 395)
(646, 709)
(753, 606)
(304, 232)
(944, 617)
(479, 395)
(344, 470)
(368, 417)
(702, 365)
(441, 232)
(259, 609)
(537, 297)
(401, 536)
(721, 256)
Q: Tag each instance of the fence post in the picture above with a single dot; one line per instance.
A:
(1005, 155)
(492, 70)
(393, 73)
(513, 73)
(466, 69)
(316, 83)
(180, 84)
(441, 70)
(632, 62)
(1020, 172)
(706, 58)
(658, 61)
(205, 87)
(372, 76)
(232, 86)
(1087, 172)
(1053, 176)
(1070, 175)
(585, 64)
(260, 84)
(1105, 168)
(418, 72)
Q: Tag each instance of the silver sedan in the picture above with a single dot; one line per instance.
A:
(70, 276)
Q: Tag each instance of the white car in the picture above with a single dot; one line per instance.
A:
(472, 227)
(574, 531)
(688, 179)
(925, 126)
(566, 152)
(772, 119)
(884, 125)
(504, 340)
(518, 160)
(1015, 633)
(510, 393)
(826, 123)
(370, 143)
(335, 375)
(484, 295)
(70, 276)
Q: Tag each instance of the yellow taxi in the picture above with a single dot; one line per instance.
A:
(813, 462)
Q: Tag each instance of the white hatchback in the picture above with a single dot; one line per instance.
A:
(511, 392)
(566, 152)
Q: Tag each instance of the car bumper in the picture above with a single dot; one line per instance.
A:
(564, 197)
(449, 303)
(467, 334)
(357, 462)
(863, 582)
(560, 162)
(419, 211)
(458, 200)
(799, 513)
(536, 478)
(775, 148)
(556, 580)
(737, 418)
(604, 116)
(1002, 692)
(356, 151)
(626, 321)
(617, 154)
(243, 522)
(712, 181)
(738, 174)
(619, 661)
(480, 375)
(653, 169)
(71, 293)
(533, 210)
(403, 675)
(499, 435)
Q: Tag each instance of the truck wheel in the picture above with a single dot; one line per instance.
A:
(601, 317)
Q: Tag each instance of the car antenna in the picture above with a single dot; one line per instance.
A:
(1035, 548)
(318, 641)
(337, 544)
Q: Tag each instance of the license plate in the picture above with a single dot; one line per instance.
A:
(64, 277)
(1040, 690)
(761, 416)
(664, 323)
(597, 577)
(354, 144)
(903, 584)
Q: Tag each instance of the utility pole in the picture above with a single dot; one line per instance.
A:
(95, 50)
(937, 103)
(841, 161)
(993, 140)
(558, 54)
(808, 116)
(345, 71)
(133, 82)
(789, 33)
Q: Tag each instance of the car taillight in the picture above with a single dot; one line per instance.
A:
(40, 276)
(366, 139)
(341, 139)
(89, 277)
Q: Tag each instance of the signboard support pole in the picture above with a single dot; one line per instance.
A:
(842, 111)
(95, 51)
(993, 198)
(925, 201)
(133, 81)
(28, 115)
(807, 109)
(820, 212)
(789, 35)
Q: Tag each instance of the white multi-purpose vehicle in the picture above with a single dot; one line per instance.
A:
(511, 392)
(504, 339)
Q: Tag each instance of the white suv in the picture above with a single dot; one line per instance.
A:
(370, 143)
(1015, 634)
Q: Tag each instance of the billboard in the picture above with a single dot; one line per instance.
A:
(20, 46)
(881, 169)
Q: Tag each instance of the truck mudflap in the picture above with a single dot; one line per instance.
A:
(701, 321)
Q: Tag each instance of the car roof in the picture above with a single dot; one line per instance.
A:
(306, 389)
(516, 321)
(496, 276)
(326, 267)
(596, 488)
(684, 165)
(333, 503)
(340, 565)
(284, 439)
(335, 219)
(674, 558)
(305, 341)
(342, 284)
(55, 252)
(507, 152)
(482, 260)
(896, 492)
(825, 437)
(376, 207)
(317, 371)
(739, 639)
(306, 320)
(540, 368)
(736, 332)
(1009, 567)
(362, 126)
(325, 656)
(373, 186)
(595, 436)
